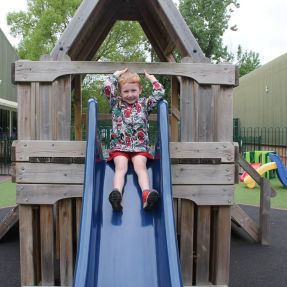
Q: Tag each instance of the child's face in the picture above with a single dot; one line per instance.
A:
(130, 92)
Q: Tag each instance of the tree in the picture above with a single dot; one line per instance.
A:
(247, 61)
(45, 20)
(40, 27)
(208, 20)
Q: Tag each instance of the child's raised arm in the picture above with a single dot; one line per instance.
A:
(150, 77)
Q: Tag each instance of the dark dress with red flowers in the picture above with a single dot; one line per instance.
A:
(130, 121)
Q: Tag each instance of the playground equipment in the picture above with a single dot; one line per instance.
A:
(260, 157)
(120, 249)
(49, 166)
(281, 170)
(275, 164)
(245, 173)
(250, 182)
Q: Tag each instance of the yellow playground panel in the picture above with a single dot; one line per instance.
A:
(250, 182)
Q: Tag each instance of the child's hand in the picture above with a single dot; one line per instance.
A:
(152, 78)
(120, 72)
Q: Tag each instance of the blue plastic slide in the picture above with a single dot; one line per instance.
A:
(281, 170)
(134, 248)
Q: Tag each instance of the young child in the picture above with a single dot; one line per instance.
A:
(129, 136)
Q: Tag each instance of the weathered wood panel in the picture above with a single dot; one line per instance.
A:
(223, 74)
(187, 233)
(26, 149)
(178, 29)
(241, 218)
(223, 106)
(221, 248)
(203, 245)
(49, 173)
(46, 193)
(179, 150)
(47, 245)
(74, 173)
(66, 242)
(188, 112)
(202, 174)
(9, 220)
(205, 194)
(212, 150)
(28, 276)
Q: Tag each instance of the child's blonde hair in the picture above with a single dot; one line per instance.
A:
(129, 77)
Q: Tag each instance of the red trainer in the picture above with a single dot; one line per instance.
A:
(150, 199)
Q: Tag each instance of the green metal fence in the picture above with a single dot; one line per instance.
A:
(5, 154)
(268, 139)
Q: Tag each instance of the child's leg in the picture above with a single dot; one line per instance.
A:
(121, 168)
(150, 196)
(139, 163)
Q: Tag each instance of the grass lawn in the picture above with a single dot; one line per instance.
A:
(7, 193)
(243, 195)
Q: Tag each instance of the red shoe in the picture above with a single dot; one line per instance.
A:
(150, 199)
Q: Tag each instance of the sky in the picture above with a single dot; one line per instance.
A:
(261, 25)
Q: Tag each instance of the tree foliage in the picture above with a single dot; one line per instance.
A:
(208, 20)
(40, 27)
(247, 61)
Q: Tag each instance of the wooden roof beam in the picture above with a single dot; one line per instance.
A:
(72, 38)
(178, 29)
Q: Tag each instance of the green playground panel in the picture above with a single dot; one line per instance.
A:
(260, 156)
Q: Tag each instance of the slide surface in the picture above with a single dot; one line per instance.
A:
(250, 182)
(135, 247)
(281, 170)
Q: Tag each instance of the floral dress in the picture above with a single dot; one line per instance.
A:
(130, 121)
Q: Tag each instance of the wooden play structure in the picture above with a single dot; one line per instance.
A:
(49, 166)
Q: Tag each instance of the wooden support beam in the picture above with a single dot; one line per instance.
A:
(28, 71)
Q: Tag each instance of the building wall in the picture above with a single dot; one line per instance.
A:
(8, 91)
(260, 100)
(7, 57)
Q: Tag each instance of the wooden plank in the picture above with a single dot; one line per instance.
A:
(61, 109)
(49, 173)
(240, 217)
(212, 150)
(205, 110)
(175, 115)
(223, 105)
(45, 111)
(202, 174)
(221, 261)
(51, 193)
(75, 27)
(24, 111)
(26, 149)
(26, 246)
(78, 217)
(178, 29)
(265, 206)
(187, 241)
(203, 245)
(66, 242)
(27, 71)
(188, 111)
(47, 245)
(205, 194)
(9, 220)
(78, 108)
(46, 193)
